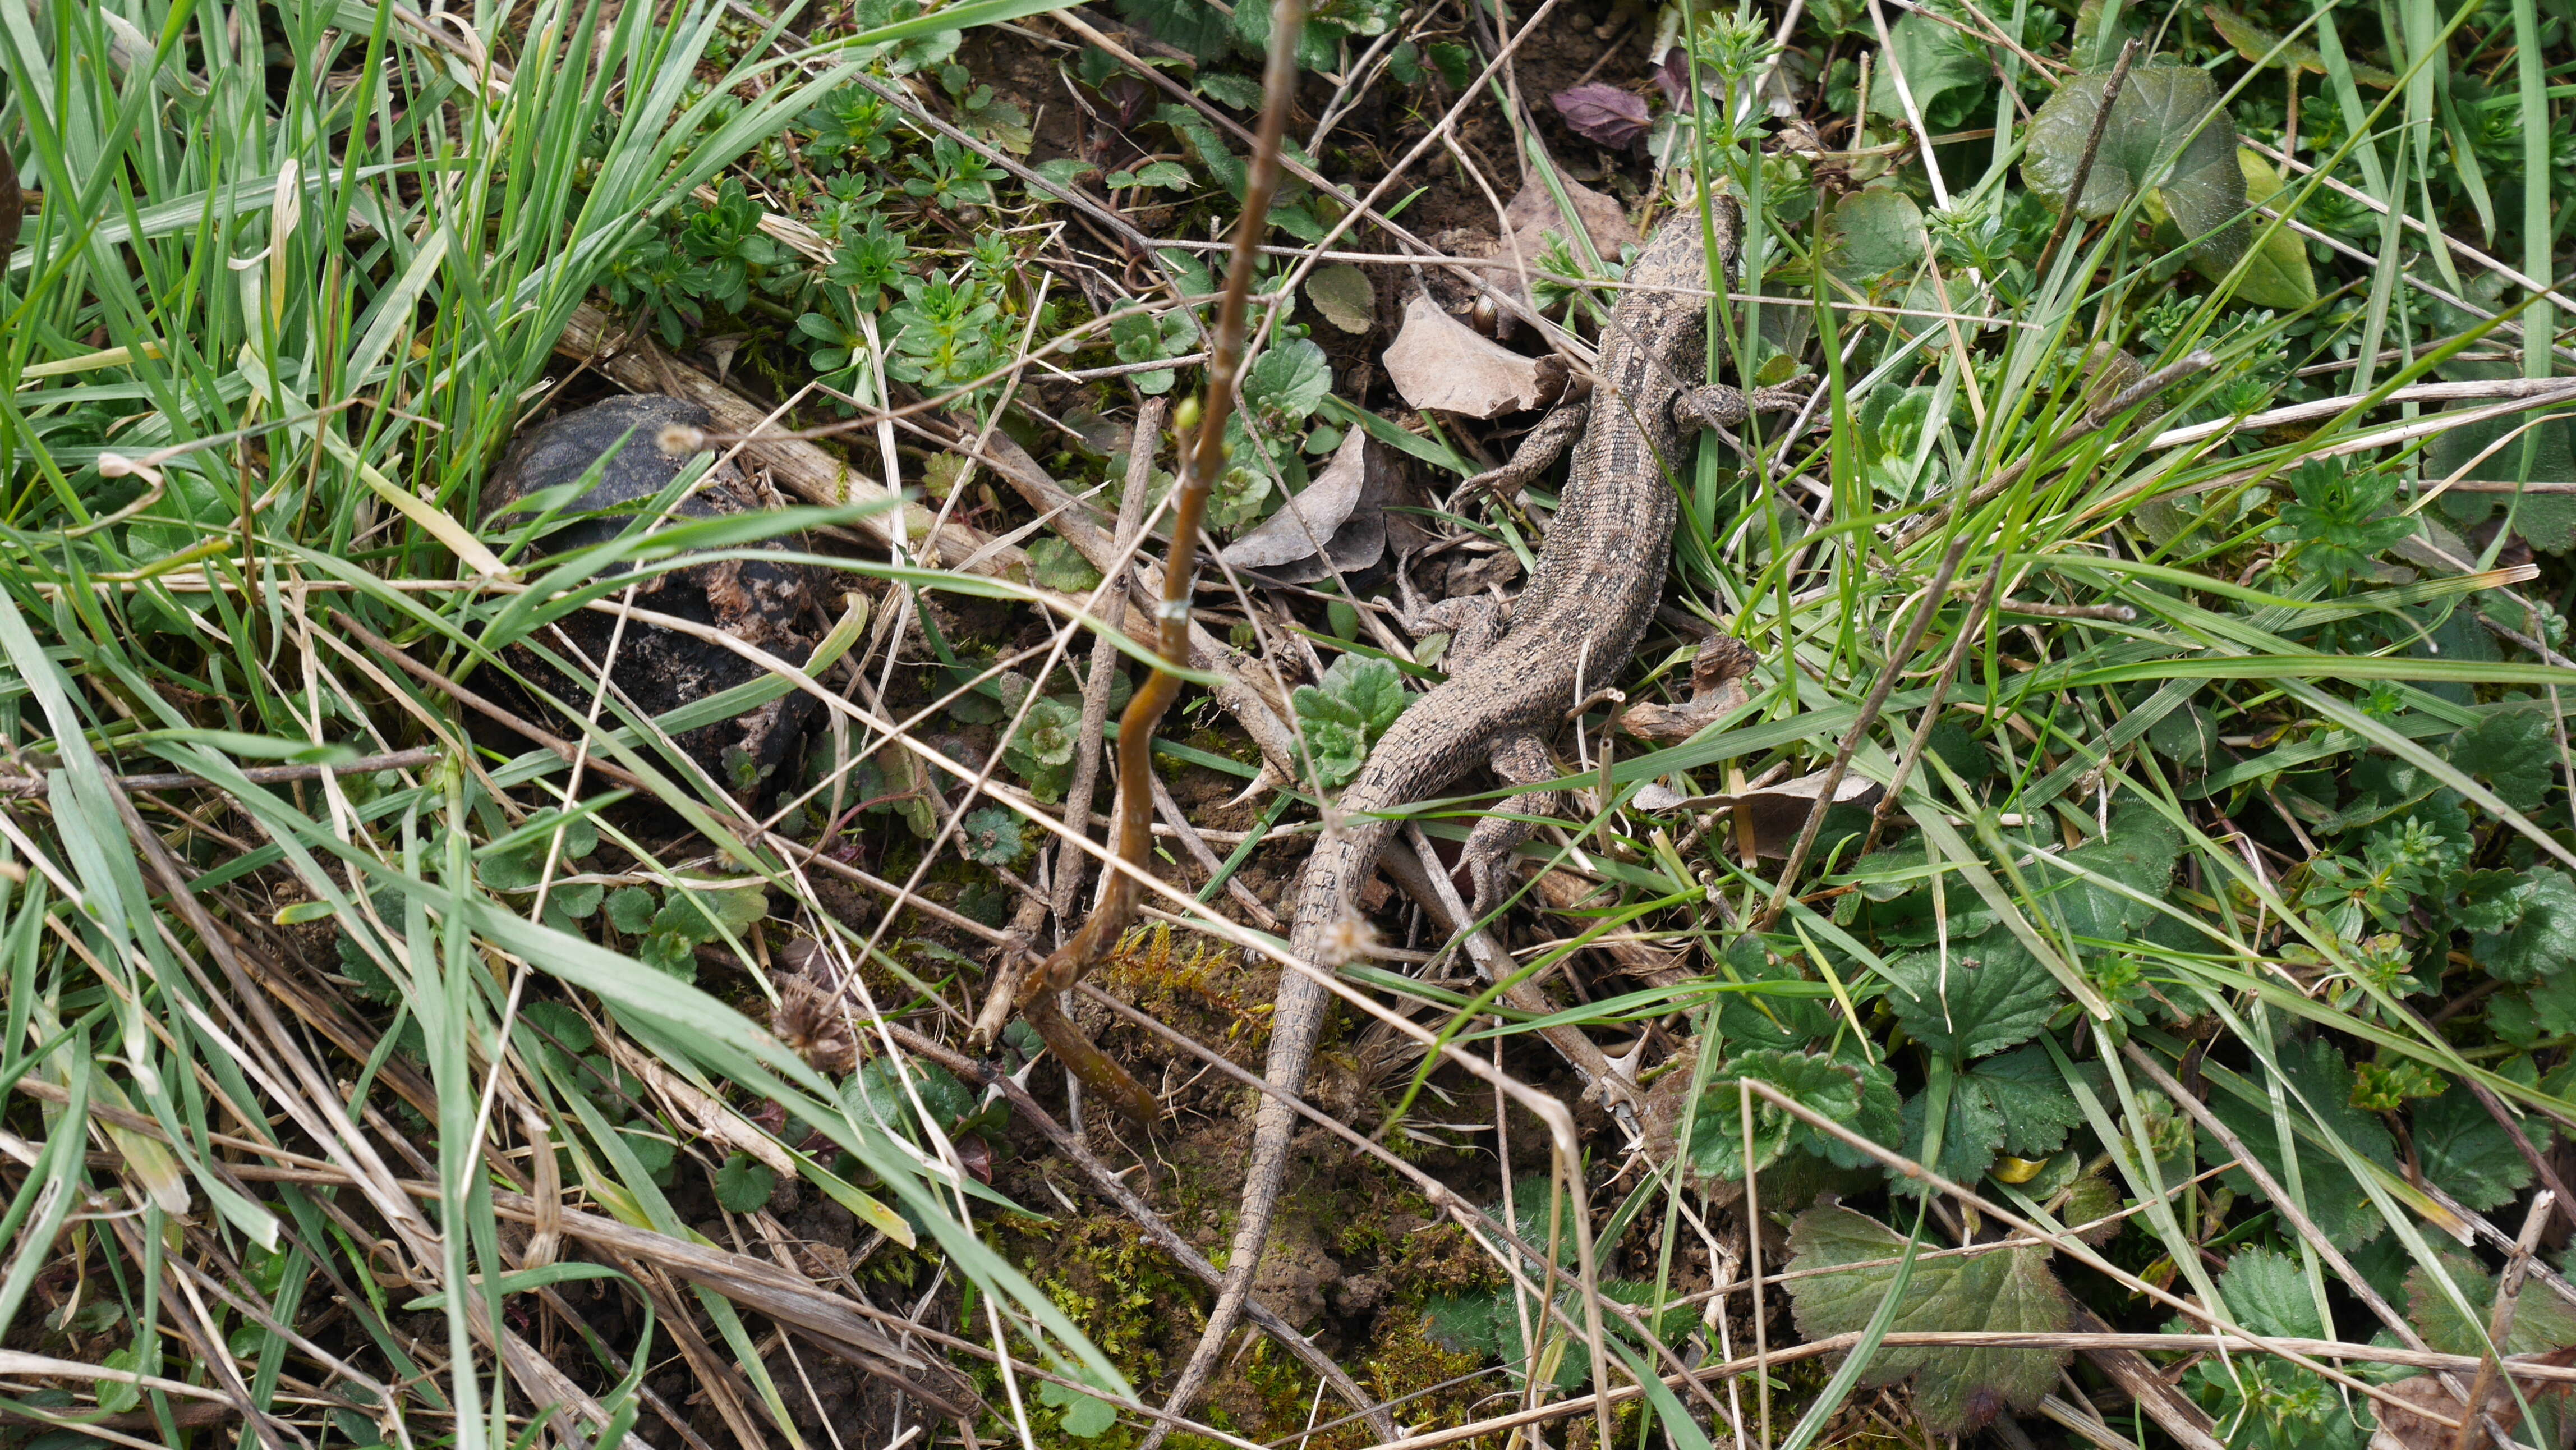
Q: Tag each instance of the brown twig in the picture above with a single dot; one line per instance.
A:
(1205, 462)
(1877, 701)
(2500, 1325)
(2084, 164)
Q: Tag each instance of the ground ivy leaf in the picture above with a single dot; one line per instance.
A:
(1990, 995)
(1288, 381)
(1372, 687)
(2334, 1200)
(2279, 276)
(2267, 1294)
(1874, 232)
(1955, 1390)
(2165, 131)
(2543, 939)
(1346, 713)
(2466, 1151)
(1086, 1417)
(2541, 1321)
(743, 1186)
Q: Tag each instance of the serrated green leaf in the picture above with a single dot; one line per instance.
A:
(2335, 1201)
(2031, 1098)
(1989, 995)
(1717, 1129)
(2267, 1294)
(1288, 382)
(1373, 688)
(631, 909)
(1343, 716)
(2511, 752)
(991, 837)
(1955, 1390)
(1970, 1138)
(2543, 939)
(1881, 1118)
(2541, 1321)
(2487, 901)
(2468, 1153)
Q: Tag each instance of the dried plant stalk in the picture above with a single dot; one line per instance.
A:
(1200, 470)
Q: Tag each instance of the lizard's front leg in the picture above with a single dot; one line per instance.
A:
(1543, 445)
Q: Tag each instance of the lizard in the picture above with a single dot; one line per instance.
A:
(1597, 580)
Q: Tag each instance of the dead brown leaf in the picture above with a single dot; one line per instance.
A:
(1776, 814)
(1533, 217)
(1717, 686)
(2404, 1429)
(1439, 362)
(1344, 509)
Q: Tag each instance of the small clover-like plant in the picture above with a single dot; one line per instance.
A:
(1041, 751)
(1139, 337)
(1345, 714)
(992, 837)
(951, 176)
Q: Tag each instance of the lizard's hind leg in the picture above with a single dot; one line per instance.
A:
(1715, 405)
(1520, 759)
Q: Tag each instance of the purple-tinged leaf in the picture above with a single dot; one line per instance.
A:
(1603, 113)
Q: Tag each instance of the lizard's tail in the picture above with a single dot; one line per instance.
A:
(1296, 1025)
(1433, 743)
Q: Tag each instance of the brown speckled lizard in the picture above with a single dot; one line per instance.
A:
(1598, 579)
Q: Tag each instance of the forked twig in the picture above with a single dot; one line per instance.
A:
(1206, 460)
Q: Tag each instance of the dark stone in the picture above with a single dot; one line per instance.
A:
(773, 606)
